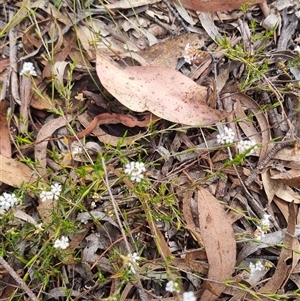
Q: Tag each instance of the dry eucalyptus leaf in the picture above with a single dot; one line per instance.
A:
(214, 5)
(166, 53)
(163, 91)
(219, 242)
(284, 267)
(5, 146)
(15, 173)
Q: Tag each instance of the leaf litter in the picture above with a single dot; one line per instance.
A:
(120, 82)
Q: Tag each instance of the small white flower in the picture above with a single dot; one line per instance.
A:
(38, 228)
(132, 261)
(62, 243)
(56, 190)
(297, 49)
(189, 296)
(245, 145)
(265, 222)
(93, 205)
(172, 287)
(77, 151)
(7, 200)
(135, 170)
(186, 55)
(28, 69)
(46, 196)
(226, 137)
(258, 266)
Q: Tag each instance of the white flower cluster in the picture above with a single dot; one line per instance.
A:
(51, 195)
(77, 151)
(244, 145)
(135, 170)
(62, 243)
(186, 55)
(258, 266)
(297, 49)
(265, 227)
(28, 69)
(227, 137)
(132, 261)
(172, 287)
(189, 296)
(7, 200)
(265, 222)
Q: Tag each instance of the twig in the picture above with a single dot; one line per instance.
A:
(274, 122)
(14, 84)
(18, 279)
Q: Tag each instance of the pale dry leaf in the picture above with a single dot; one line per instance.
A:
(52, 11)
(279, 188)
(15, 173)
(44, 134)
(253, 106)
(208, 24)
(25, 217)
(25, 96)
(245, 124)
(288, 153)
(5, 146)
(268, 239)
(185, 15)
(282, 207)
(219, 243)
(214, 5)
(188, 210)
(59, 71)
(4, 64)
(283, 269)
(270, 185)
(166, 53)
(165, 92)
(290, 177)
(287, 194)
(41, 102)
(125, 4)
(88, 35)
